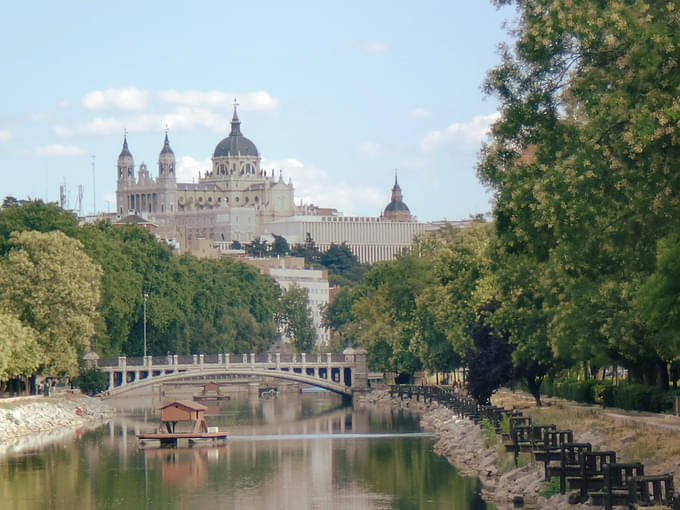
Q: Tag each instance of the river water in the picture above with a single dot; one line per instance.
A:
(308, 451)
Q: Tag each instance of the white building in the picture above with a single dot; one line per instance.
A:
(314, 281)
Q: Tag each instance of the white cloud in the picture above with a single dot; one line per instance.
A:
(129, 98)
(189, 168)
(371, 47)
(420, 113)
(56, 149)
(462, 136)
(369, 148)
(259, 100)
(314, 186)
(183, 118)
(5, 135)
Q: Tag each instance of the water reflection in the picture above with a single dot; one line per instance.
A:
(300, 452)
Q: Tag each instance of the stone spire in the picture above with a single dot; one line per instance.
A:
(235, 122)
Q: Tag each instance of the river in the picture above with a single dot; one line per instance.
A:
(308, 451)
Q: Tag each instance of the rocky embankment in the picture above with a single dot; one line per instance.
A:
(32, 420)
(462, 443)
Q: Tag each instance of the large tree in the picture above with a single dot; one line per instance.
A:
(582, 163)
(52, 286)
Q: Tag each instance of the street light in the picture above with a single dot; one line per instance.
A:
(145, 296)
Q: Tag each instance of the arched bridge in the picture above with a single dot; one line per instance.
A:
(344, 373)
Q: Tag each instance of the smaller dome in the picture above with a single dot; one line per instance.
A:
(397, 209)
(396, 205)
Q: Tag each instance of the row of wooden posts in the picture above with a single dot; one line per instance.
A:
(595, 474)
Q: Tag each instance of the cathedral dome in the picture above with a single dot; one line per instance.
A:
(235, 144)
(397, 210)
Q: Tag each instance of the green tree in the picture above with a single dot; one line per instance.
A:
(295, 318)
(581, 161)
(279, 246)
(308, 251)
(489, 359)
(343, 266)
(33, 215)
(53, 287)
(20, 354)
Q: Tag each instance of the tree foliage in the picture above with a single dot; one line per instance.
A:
(51, 285)
(489, 358)
(20, 354)
(295, 318)
(582, 162)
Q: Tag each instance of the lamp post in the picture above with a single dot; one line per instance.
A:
(145, 296)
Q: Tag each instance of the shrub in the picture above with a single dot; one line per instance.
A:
(626, 395)
(91, 381)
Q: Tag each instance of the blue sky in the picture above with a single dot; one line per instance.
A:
(336, 95)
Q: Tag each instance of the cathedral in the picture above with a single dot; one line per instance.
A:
(228, 203)
(238, 201)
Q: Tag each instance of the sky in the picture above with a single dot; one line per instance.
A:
(337, 96)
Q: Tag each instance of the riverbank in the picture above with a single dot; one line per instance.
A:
(633, 436)
(29, 421)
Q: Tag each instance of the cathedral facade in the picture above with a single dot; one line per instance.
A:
(238, 201)
(230, 202)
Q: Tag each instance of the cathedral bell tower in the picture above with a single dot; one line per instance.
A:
(126, 178)
(166, 163)
(167, 178)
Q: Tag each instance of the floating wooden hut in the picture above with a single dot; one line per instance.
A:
(182, 411)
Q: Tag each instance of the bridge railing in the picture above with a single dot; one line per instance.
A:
(225, 359)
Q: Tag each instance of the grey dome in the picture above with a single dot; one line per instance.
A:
(235, 144)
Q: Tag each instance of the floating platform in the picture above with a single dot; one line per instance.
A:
(180, 439)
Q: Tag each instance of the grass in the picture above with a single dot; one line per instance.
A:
(551, 487)
(489, 431)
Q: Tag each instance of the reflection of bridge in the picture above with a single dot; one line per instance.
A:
(344, 373)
